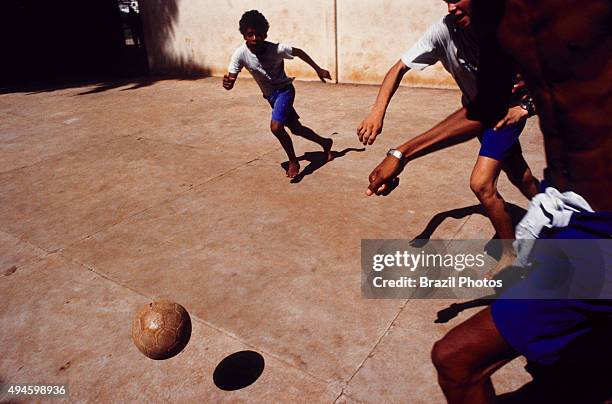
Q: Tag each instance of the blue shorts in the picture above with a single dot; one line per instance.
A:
(542, 329)
(281, 102)
(501, 143)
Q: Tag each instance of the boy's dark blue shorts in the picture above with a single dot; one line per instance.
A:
(501, 143)
(542, 330)
(281, 102)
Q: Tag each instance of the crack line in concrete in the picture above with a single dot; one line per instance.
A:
(349, 396)
(385, 333)
(389, 327)
(165, 201)
(55, 155)
(198, 319)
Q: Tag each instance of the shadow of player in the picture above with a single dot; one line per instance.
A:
(516, 213)
(317, 160)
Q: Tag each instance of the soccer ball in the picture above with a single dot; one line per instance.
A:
(161, 329)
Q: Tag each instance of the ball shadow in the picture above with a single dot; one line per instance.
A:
(238, 370)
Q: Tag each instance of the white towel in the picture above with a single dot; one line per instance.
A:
(549, 209)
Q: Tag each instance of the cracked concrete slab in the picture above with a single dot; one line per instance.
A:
(176, 190)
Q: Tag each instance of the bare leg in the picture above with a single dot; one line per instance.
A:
(326, 143)
(484, 184)
(466, 358)
(520, 175)
(278, 129)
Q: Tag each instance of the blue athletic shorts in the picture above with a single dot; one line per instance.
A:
(281, 102)
(501, 143)
(542, 329)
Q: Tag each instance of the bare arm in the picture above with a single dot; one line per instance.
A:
(454, 129)
(372, 124)
(322, 73)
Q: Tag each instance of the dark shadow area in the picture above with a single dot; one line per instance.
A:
(71, 39)
(100, 84)
(317, 160)
(516, 212)
(47, 46)
(509, 276)
(583, 375)
(137, 82)
(452, 311)
(239, 370)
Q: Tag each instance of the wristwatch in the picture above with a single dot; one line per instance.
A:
(528, 105)
(395, 153)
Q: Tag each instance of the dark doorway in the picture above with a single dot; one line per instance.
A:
(65, 40)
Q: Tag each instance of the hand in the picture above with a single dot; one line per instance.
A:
(384, 176)
(228, 82)
(514, 115)
(323, 74)
(370, 127)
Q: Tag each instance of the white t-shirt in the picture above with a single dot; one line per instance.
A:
(268, 69)
(455, 47)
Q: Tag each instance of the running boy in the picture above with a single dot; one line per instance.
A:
(264, 60)
(452, 42)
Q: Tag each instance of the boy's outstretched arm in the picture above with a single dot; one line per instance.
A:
(322, 73)
(455, 129)
(229, 80)
(372, 124)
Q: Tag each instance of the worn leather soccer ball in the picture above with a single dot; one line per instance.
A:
(161, 329)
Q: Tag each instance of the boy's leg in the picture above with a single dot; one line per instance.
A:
(499, 146)
(520, 175)
(283, 113)
(278, 129)
(466, 358)
(483, 183)
(300, 130)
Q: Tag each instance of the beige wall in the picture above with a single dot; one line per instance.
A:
(358, 39)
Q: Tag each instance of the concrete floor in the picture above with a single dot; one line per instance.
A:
(113, 196)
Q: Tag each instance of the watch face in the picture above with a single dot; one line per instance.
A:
(395, 153)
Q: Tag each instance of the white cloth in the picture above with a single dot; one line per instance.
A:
(268, 69)
(457, 50)
(549, 209)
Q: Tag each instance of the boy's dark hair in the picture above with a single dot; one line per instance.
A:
(255, 20)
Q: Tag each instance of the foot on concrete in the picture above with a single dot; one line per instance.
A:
(327, 149)
(293, 169)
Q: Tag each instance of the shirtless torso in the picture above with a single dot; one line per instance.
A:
(566, 61)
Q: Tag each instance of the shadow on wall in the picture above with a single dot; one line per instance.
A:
(41, 56)
(160, 18)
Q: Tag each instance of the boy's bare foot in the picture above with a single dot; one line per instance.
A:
(293, 169)
(327, 149)
(507, 259)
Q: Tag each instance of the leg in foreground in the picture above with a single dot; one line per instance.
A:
(467, 356)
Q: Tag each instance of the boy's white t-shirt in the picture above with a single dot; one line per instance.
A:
(268, 69)
(454, 47)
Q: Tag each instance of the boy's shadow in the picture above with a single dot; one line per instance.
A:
(516, 213)
(317, 160)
